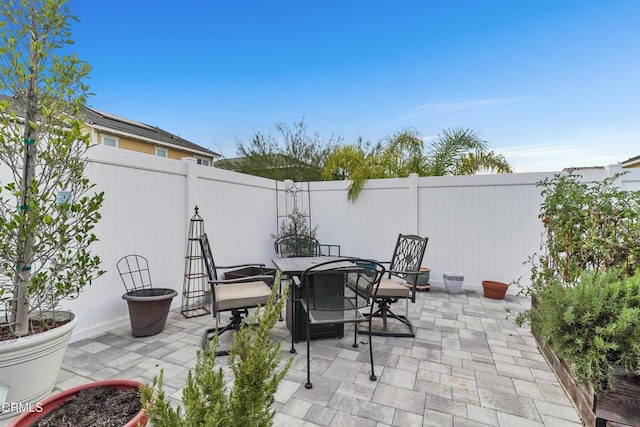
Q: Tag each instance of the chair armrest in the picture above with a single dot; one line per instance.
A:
(240, 265)
(267, 279)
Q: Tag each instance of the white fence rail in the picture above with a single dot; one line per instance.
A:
(484, 227)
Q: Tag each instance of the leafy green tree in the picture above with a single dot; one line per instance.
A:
(48, 212)
(291, 154)
(454, 152)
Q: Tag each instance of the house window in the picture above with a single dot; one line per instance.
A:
(162, 152)
(203, 162)
(110, 141)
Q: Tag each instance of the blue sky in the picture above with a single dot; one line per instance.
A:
(549, 84)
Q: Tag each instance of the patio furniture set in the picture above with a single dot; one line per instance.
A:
(326, 292)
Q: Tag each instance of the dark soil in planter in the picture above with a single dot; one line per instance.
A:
(37, 326)
(95, 407)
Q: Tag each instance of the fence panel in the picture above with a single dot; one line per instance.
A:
(484, 226)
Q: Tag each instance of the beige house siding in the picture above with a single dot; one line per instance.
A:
(143, 146)
(633, 162)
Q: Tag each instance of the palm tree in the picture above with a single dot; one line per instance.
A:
(454, 152)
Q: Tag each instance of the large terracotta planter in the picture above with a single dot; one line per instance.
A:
(148, 310)
(28, 418)
(29, 365)
(495, 290)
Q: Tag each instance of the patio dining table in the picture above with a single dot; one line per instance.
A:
(296, 321)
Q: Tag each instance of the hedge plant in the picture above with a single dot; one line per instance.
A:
(585, 277)
(594, 326)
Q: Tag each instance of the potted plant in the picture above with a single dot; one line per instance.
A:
(256, 363)
(422, 283)
(585, 292)
(49, 210)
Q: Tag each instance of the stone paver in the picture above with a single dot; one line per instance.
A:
(467, 366)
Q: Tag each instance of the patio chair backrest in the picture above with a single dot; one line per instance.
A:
(207, 255)
(296, 245)
(408, 255)
(346, 284)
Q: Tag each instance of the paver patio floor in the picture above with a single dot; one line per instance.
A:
(467, 366)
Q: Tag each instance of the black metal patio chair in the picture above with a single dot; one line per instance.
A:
(236, 295)
(338, 292)
(399, 283)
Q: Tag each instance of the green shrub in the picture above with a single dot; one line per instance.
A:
(594, 326)
(585, 279)
(254, 360)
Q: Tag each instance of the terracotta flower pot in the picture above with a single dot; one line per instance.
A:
(51, 403)
(495, 290)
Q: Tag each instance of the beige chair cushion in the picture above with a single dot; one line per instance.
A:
(390, 288)
(238, 295)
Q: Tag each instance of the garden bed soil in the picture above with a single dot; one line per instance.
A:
(105, 406)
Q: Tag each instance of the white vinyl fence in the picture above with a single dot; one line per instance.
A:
(484, 227)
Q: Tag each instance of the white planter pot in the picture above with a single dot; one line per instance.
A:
(453, 282)
(29, 365)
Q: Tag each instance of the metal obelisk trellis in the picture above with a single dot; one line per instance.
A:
(195, 289)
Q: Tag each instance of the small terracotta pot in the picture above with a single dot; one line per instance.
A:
(495, 290)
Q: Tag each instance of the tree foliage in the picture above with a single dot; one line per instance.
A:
(49, 210)
(453, 152)
(588, 226)
(292, 153)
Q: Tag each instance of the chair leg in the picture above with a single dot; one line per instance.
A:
(372, 377)
(280, 295)
(308, 385)
(355, 336)
(384, 311)
(293, 322)
(234, 325)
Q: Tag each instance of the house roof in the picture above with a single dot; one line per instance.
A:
(108, 121)
(574, 168)
(631, 161)
(117, 124)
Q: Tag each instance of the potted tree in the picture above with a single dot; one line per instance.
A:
(48, 208)
(585, 289)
